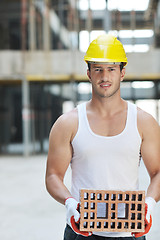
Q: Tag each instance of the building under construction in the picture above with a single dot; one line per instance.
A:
(42, 72)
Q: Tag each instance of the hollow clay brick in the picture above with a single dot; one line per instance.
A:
(99, 211)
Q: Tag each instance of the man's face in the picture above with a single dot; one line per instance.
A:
(105, 79)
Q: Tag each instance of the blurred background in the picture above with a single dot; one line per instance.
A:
(42, 75)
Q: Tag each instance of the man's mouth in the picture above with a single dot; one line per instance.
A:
(105, 85)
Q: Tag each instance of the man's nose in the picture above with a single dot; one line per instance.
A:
(105, 75)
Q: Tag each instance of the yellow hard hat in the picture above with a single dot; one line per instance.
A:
(106, 49)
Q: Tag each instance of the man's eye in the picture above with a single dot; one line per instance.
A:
(113, 69)
(98, 69)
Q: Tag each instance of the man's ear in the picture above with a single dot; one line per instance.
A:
(89, 75)
(123, 74)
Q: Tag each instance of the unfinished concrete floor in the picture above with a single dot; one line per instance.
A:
(26, 209)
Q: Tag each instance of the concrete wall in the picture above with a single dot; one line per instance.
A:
(68, 65)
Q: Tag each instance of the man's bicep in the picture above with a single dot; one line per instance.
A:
(150, 148)
(60, 151)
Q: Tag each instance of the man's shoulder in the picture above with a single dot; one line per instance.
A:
(68, 118)
(66, 123)
(144, 116)
(146, 121)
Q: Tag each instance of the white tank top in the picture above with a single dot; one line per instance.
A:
(107, 163)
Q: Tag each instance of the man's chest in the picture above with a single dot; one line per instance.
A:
(108, 126)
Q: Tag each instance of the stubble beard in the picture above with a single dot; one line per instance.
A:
(106, 95)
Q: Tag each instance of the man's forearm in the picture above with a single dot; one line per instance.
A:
(154, 187)
(56, 188)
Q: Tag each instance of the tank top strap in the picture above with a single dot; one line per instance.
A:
(81, 114)
(132, 117)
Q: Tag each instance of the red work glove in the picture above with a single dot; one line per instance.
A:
(73, 216)
(149, 206)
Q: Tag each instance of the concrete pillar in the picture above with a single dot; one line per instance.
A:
(25, 86)
(133, 24)
(26, 117)
(118, 20)
(76, 22)
(89, 20)
(74, 96)
(32, 26)
(46, 27)
(23, 23)
(107, 19)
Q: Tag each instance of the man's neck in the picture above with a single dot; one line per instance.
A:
(106, 106)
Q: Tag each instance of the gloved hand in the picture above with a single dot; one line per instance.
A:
(149, 206)
(73, 216)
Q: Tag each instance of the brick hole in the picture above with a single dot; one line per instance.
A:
(132, 216)
(92, 215)
(123, 210)
(139, 207)
(120, 197)
(99, 196)
(139, 216)
(92, 196)
(85, 215)
(113, 197)
(85, 224)
(132, 206)
(85, 205)
(92, 205)
(106, 196)
(127, 197)
(119, 225)
(132, 225)
(102, 210)
(126, 225)
(85, 196)
(112, 225)
(113, 215)
(113, 206)
(91, 224)
(133, 197)
(139, 197)
(98, 224)
(139, 225)
(105, 224)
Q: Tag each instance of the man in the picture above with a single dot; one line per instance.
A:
(102, 140)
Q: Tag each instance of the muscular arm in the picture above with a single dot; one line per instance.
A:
(150, 151)
(59, 157)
